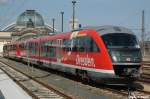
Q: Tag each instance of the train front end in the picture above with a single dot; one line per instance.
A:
(124, 50)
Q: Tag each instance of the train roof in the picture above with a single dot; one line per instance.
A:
(102, 30)
(108, 29)
(44, 38)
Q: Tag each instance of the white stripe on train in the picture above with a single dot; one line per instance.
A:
(75, 67)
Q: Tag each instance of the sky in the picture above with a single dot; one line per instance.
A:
(127, 13)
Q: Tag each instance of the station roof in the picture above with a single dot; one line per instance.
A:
(28, 19)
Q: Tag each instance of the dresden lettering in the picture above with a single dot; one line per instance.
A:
(85, 61)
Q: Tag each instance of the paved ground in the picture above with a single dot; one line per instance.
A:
(9, 89)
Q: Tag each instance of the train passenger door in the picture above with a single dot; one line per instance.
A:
(59, 50)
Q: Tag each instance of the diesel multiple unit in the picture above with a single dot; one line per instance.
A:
(106, 54)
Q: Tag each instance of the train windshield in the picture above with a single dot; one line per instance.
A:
(120, 40)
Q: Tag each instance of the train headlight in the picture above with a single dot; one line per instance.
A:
(137, 46)
(114, 58)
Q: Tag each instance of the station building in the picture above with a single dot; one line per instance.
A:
(28, 24)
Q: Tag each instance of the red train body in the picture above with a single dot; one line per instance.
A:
(94, 53)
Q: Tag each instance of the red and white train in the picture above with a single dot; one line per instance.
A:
(106, 54)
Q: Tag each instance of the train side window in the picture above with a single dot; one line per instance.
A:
(66, 45)
(36, 46)
(74, 44)
(32, 47)
(54, 42)
(24, 46)
(50, 48)
(46, 50)
(86, 44)
(44, 47)
(95, 47)
(12, 47)
(80, 44)
(21, 46)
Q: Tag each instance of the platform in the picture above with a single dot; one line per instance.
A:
(10, 90)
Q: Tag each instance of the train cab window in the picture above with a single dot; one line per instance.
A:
(119, 40)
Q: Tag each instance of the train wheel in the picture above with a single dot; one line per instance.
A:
(78, 76)
(82, 74)
(85, 77)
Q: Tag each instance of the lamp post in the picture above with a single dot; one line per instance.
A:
(143, 33)
(62, 21)
(73, 16)
(53, 24)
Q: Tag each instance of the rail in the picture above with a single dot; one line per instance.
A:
(41, 90)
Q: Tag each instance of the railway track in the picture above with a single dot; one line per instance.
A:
(145, 77)
(39, 92)
(35, 88)
(106, 90)
(137, 94)
(130, 94)
(146, 64)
